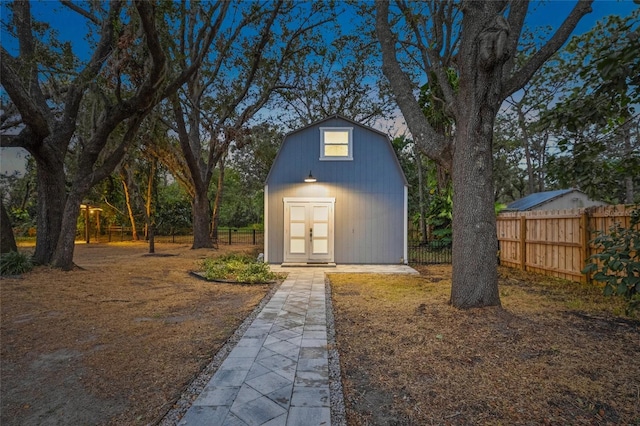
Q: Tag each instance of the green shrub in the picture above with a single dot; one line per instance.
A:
(617, 264)
(15, 263)
(256, 272)
(237, 267)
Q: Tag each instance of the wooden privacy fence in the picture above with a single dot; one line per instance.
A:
(555, 242)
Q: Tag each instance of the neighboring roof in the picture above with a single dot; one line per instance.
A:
(533, 200)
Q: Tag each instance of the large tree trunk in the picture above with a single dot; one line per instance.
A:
(47, 133)
(475, 243)
(51, 202)
(201, 221)
(63, 255)
(483, 53)
(7, 240)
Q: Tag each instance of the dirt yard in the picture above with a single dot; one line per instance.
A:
(557, 354)
(116, 340)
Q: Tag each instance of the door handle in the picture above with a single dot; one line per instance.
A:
(311, 233)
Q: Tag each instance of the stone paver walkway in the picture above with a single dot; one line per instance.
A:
(278, 372)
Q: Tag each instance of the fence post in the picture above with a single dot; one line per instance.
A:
(523, 242)
(229, 236)
(584, 240)
(254, 237)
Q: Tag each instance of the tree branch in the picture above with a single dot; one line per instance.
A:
(439, 64)
(149, 93)
(258, 52)
(28, 59)
(197, 58)
(30, 112)
(524, 74)
(25, 139)
(431, 143)
(183, 138)
(516, 17)
(81, 11)
(116, 156)
(19, 76)
(104, 48)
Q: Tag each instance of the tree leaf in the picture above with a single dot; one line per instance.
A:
(622, 288)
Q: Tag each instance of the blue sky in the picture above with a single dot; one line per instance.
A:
(548, 12)
(72, 28)
(553, 12)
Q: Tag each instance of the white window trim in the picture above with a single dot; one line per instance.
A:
(350, 144)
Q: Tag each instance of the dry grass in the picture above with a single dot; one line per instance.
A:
(116, 341)
(557, 353)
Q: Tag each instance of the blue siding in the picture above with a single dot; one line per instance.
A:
(369, 193)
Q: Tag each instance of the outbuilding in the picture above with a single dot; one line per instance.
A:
(559, 199)
(335, 194)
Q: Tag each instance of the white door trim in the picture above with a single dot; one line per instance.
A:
(331, 200)
(306, 255)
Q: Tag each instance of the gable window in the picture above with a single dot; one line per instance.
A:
(336, 143)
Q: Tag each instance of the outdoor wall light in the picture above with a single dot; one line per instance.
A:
(310, 178)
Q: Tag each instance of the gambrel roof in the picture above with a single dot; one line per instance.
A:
(291, 134)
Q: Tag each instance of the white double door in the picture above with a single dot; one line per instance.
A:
(308, 230)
